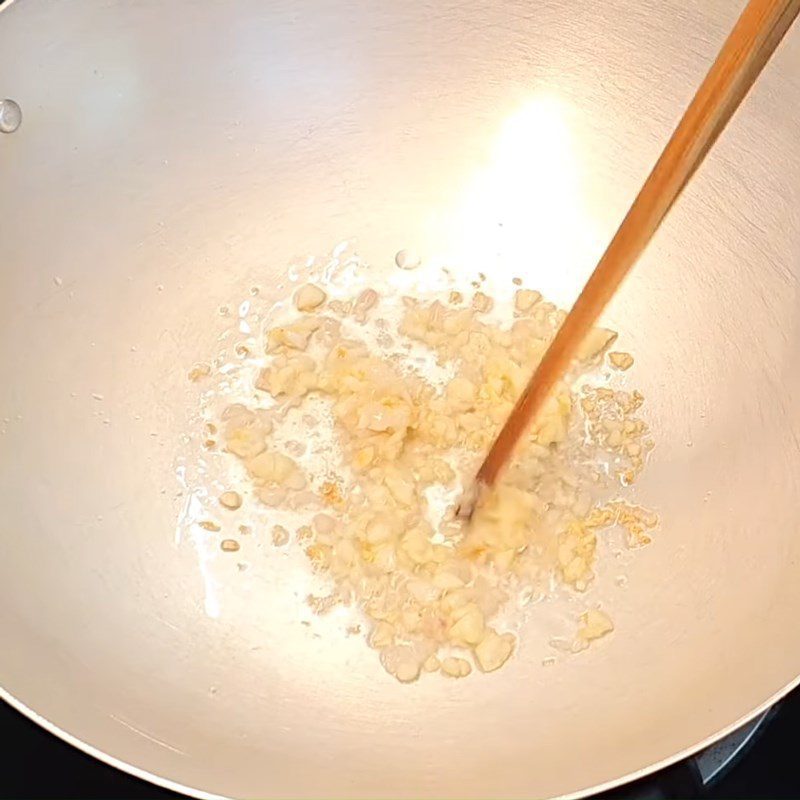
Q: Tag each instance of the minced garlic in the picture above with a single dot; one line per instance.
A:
(430, 586)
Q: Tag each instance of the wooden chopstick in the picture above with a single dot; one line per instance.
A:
(747, 49)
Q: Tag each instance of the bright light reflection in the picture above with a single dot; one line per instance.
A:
(525, 214)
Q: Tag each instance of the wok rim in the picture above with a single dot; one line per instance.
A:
(191, 791)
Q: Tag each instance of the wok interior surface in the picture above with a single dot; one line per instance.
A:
(173, 155)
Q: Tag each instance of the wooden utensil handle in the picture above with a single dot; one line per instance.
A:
(755, 36)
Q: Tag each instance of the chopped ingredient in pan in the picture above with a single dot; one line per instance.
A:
(378, 518)
(230, 500)
(594, 624)
(199, 371)
(621, 360)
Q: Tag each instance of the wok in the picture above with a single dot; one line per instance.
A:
(171, 156)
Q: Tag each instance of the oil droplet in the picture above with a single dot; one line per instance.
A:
(10, 116)
(407, 259)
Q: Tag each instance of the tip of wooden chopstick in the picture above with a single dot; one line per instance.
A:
(469, 500)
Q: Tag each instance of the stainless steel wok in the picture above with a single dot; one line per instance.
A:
(174, 154)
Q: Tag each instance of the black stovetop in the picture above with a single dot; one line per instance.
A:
(35, 764)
